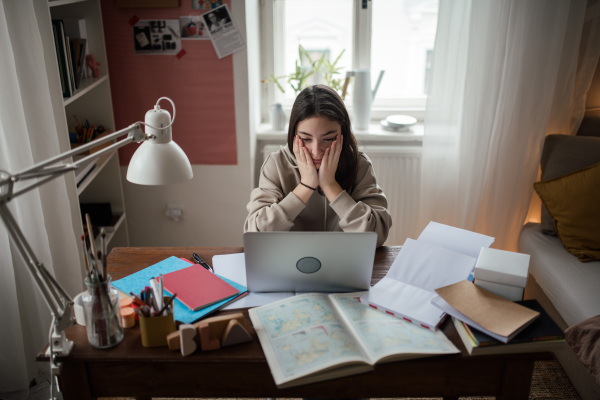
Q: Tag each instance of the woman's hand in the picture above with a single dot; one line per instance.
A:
(308, 172)
(329, 165)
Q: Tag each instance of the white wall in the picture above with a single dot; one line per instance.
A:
(214, 201)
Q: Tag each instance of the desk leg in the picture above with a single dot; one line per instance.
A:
(516, 381)
(74, 382)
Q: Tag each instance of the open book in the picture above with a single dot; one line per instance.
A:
(442, 255)
(314, 337)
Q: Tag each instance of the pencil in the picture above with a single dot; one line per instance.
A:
(167, 304)
(85, 257)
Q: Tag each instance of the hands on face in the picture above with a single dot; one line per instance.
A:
(325, 175)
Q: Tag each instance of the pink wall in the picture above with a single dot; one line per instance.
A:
(200, 85)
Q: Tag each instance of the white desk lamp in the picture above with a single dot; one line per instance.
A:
(157, 161)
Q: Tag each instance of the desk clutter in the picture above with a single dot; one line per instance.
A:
(176, 291)
(313, 337)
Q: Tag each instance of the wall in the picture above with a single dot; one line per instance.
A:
(212, 126)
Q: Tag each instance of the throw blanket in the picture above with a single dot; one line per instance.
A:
(584, 339)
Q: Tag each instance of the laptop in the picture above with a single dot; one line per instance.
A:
(309, 261)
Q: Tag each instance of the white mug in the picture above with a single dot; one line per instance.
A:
(277, 117)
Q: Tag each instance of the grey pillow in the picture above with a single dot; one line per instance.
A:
(562, 155)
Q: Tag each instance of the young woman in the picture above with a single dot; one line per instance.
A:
(320, 181)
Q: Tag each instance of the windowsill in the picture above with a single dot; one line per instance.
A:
(375, 135)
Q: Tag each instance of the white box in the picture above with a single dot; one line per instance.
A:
(500, 266)
(512, 293)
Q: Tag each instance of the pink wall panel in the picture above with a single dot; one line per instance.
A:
(200, 85)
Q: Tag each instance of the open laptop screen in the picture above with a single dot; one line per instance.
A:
(309, 261)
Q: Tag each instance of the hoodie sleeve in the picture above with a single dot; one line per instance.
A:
(270, 209)
(366, 208)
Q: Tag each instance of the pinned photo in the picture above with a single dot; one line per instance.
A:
(157, 37)
(193, 27)
(226, 38)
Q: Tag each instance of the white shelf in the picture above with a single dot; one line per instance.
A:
(99, 181)
(56, 3)
(87, 85)
(99, 164)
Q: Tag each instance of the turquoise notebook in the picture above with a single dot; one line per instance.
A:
(137, 281)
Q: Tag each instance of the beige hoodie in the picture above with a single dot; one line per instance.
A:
(274, 207)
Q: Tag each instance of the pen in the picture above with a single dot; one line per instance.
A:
(200, 261)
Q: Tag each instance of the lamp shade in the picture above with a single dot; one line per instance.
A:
(159, 160)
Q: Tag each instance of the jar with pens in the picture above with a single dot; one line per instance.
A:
(101, 301)
(155, 313)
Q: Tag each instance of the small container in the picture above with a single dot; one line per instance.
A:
(102, 314)
(154, 330)
(277, 117)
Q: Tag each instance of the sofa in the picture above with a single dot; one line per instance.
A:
(564, 269)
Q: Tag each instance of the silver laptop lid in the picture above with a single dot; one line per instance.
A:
(309, 261)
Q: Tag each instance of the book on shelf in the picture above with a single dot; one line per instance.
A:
(140, 279)
(543, 334)
(70, 38)
(315, 337)
(62, 57)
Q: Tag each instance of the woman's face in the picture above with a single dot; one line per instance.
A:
(317, 134)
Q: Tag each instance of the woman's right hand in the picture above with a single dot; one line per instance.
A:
(308, 172)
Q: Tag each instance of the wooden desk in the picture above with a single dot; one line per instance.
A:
(132, 370)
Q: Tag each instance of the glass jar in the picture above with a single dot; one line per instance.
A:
(102, 313)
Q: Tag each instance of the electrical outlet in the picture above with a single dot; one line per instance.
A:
(174, 213)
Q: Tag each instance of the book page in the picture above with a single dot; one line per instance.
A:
(383, 335)
(302, 335)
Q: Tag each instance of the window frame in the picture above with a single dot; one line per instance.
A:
(272, 18)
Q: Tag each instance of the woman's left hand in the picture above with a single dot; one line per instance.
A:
(329, 164)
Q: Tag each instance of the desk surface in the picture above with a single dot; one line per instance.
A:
(132, 370)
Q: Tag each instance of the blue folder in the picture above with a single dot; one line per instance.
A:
(137, 281)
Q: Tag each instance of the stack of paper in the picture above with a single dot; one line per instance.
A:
(442, 255)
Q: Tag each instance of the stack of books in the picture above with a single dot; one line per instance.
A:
(543, 334)
(70, 37)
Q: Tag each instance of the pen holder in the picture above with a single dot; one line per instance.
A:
(154, 330)
(102, 314)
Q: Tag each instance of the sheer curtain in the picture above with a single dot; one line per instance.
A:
(28, 134)
(502, 72)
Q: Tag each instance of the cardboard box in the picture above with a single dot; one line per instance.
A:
(512, 293)
(500, 266)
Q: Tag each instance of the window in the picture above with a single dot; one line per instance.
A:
(392, 35)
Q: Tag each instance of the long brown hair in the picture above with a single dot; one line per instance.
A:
(323, 101)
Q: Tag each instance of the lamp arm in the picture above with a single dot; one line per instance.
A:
(134, 131)
(47, 171)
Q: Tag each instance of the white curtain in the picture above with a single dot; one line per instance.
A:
(28, 135)
(503, 71)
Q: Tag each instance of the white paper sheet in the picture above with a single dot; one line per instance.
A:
(452, 238)
(233, 266)
(442, 255)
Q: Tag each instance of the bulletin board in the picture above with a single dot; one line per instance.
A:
(199, 83)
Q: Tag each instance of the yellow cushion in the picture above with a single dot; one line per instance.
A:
(573, 201)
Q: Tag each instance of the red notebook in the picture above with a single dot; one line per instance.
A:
(196, 287)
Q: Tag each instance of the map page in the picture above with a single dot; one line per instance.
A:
(308, 338)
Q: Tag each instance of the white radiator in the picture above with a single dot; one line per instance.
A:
(398, 171)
